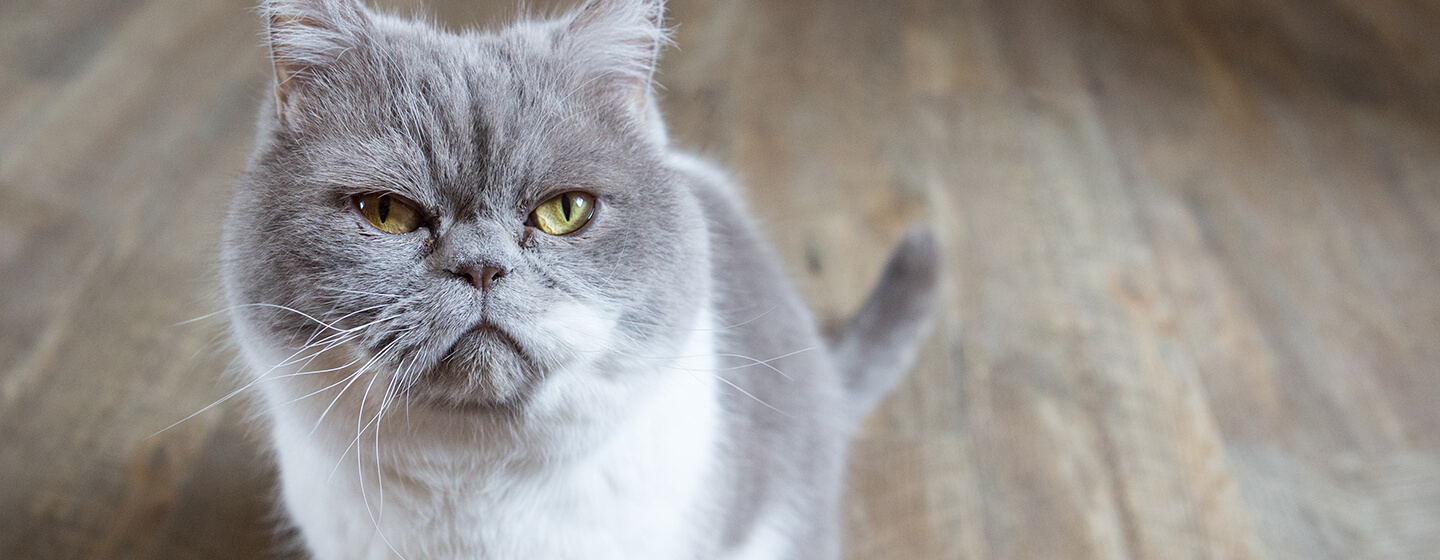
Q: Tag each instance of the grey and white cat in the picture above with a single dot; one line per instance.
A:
(491, 313)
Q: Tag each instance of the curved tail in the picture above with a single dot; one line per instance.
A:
(879, 343)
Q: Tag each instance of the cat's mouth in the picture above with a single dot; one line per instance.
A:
(485, 365)
(488, 332)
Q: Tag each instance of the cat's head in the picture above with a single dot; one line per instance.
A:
(465, 213)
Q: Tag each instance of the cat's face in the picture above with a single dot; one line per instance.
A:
(394, 191)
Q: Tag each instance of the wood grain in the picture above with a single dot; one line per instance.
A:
(1191, 306)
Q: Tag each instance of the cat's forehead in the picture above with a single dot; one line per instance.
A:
(515, 71)
(463, 115)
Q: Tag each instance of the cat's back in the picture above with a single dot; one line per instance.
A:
(784, 397)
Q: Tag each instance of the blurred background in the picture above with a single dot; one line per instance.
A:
(1193, 252)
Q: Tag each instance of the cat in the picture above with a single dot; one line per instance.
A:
(490, 312)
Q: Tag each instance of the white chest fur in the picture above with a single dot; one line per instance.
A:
(635, 491)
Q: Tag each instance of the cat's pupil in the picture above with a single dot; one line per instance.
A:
(384, 209)
(565, 206)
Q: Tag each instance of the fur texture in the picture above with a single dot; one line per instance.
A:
(649, 386)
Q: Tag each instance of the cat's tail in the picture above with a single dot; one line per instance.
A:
(879, 343)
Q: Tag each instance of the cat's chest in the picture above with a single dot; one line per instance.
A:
(640, 494)
(640, 448)
(637, 497)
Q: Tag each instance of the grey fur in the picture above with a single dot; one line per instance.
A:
(478, 128)
(880, 341)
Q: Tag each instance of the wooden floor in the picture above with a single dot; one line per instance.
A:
(1193, 254)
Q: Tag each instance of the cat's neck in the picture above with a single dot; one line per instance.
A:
(632, 481)
(574, 414)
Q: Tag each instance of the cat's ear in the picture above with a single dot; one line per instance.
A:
(618, 43)
(305, 37)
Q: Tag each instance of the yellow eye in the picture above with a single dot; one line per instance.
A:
(389, 213)
(565, 213)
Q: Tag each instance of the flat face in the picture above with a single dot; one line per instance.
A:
(463, 211)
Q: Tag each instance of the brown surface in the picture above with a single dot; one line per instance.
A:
(1193, 251)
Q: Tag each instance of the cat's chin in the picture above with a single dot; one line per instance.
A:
(485, 368)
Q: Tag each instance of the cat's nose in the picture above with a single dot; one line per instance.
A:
(482, 276)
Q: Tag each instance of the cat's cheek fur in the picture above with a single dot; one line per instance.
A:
(584, 332)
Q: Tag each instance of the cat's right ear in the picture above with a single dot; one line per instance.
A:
(306, 36)
(617, 44)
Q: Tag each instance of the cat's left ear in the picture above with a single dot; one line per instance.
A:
(307, 37)
(618, 44)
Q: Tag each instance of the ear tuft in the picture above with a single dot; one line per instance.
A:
(306, 35)
(617, 43)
